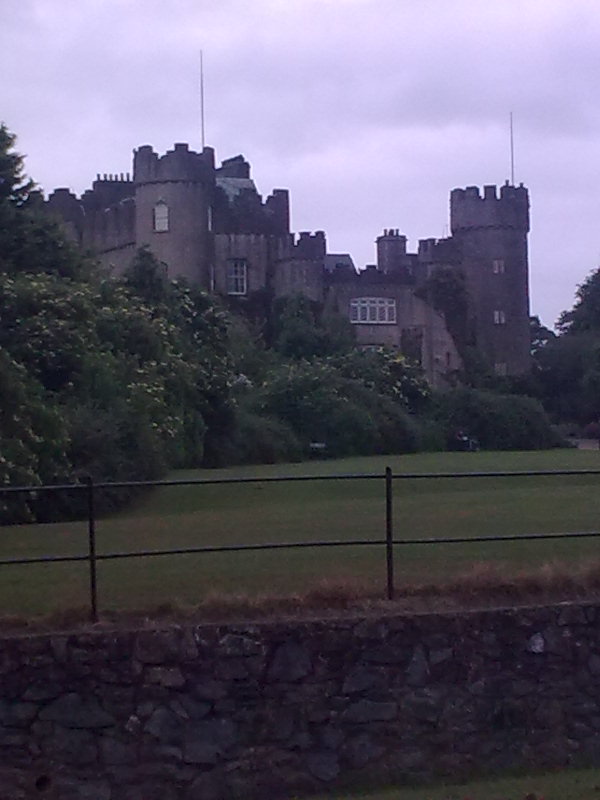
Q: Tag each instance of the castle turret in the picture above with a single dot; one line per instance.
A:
(391, 250)
(173, 196)
(392, 258)
(490, 232)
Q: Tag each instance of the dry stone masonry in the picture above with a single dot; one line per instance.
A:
(275, 709)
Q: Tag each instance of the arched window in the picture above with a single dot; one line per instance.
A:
(161, 217)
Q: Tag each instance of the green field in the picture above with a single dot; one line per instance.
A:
(304, 511)
(572, 784)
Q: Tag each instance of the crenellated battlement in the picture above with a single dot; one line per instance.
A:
(508, 208)
(178, 164)
(310, 246)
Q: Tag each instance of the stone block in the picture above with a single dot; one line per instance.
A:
(369, 711)
(157, 647)
(361, 678)
(17, 715)
(74, 711)
(324, 765)
(361, 750)
(291, 662)
(237, 645)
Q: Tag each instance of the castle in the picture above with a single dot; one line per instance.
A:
(210, 225)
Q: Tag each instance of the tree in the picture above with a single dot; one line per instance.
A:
(566, 372)
(585, 314)
(567, 367)
(135, 370)
(387, 372)
(14, 187)
(540, 335)
(445, 289)
(302, 329)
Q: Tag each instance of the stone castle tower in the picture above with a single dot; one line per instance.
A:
(173, 198)
(490, 234)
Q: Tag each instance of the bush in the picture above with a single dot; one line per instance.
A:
(497, 422)
(433, 436)
(320, 405)
(263, 440)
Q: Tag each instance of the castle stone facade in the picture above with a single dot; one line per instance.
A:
(209, 224)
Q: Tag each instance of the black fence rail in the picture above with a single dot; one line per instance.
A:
(388, 542)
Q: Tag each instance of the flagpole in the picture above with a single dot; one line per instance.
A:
(512, 152)
(202, 97)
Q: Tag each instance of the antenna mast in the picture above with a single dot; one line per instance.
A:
(512, 152)
(202, 98)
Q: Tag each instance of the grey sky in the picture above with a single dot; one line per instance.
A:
(369, 111)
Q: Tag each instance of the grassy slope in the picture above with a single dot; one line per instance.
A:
(565, 785)
(188, 516)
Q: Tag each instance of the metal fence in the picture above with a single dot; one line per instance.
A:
(387, 542)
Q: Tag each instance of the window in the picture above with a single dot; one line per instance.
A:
(498, 266)
(373, 310)
(500, 368)
(499, 318)
(161, 217)
(237, 276)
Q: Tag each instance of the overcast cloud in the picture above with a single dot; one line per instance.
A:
(369, 111)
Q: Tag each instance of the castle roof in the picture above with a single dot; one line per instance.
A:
(333, 260)
(235, 186)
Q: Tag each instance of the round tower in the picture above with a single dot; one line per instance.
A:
(490, 231)
(173, 197)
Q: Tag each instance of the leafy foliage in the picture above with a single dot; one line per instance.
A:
(302, 329)
(540, 335)
(321, 405)
(584, 317)
(446, 291)
(497, 422)
(119, 379)
(388, 372)
(567, 367)
(14, 187)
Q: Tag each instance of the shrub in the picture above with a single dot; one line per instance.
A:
(263, 440)
(497, 422)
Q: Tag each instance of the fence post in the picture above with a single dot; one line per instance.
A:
(92, 549)
(389, 534)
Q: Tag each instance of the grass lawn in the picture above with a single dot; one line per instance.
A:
(279, 512)
(572, 784)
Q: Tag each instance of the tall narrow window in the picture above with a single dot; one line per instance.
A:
(498, 266)
(161, 217)
(237, 276)
(499, 318)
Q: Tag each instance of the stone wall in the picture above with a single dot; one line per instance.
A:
(273, 709)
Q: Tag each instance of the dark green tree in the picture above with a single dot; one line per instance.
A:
(445, 289)
(301, 328)
(540, 335)
(585, 314)
(14, 186)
